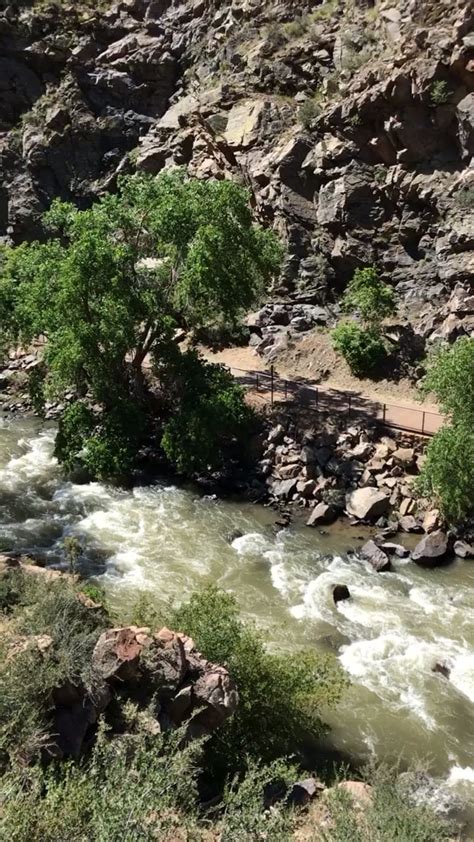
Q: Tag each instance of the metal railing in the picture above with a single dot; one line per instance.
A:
(349, 404)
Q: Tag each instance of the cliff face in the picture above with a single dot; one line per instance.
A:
(352, 124)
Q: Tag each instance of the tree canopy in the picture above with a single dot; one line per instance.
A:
(448, 474)
(112, 283)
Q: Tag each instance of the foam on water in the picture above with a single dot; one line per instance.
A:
(167, 541)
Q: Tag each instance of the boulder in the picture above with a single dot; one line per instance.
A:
(395, 549)
(323, 513)
(367, 503)
(340, 593)
(404, 456)
(465, 114)
(464, 550)
(432, 550)
(431, 520)
(360, 792)
(117, 653)
(408, 523)
(302, 792)
(276, 434)
(442, 668)
(285, 488)
(376, 556)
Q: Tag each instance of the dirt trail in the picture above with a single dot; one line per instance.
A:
(311, 362)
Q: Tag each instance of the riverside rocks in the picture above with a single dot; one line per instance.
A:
(463, 550)
(367, 503)
(328, 472)
(164, 666)
(432, 550)
(376, 556)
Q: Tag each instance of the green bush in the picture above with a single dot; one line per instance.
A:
(465, 198)
(281, 696)
(308, 111)
(447, 477)
(393, 816)
(39, 607)
(363, 349)
(450, 377)
(369, 296)
(439, 92)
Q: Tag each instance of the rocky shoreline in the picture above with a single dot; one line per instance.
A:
(364, 475)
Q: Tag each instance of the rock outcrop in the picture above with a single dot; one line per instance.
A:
(166, 666)
(351, 126)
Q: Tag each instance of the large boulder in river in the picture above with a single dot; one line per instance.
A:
(464, 550)
(322, 513)
(432, 550)
(367, 503)
(340, 593)
(376, 556)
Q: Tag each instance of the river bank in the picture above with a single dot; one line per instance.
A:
(166, 541)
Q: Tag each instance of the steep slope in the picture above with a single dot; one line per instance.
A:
(352, 124)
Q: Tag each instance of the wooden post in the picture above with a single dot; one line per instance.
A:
(271, 384)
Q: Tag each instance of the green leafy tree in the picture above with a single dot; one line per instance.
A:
(450, 377)
(369, 296)
(109, 288)
(280, 696)
(362, 345)
(362, 349)
(448, 473)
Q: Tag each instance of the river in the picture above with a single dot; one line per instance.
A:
(167, 541)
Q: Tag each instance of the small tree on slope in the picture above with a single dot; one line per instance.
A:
(362, 345)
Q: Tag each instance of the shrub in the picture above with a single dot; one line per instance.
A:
(465, 198)
(363, 349)
(369, 296)
(39, 607)
(393, 816)
(308, 111)
(448, 473)
(447, 476)
(137, 786)
(281, 696)
(297, 27)
(450, 377)
(439, 92)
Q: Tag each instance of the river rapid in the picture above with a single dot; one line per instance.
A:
(167, 541)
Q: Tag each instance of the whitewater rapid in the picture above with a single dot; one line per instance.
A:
(167, 541)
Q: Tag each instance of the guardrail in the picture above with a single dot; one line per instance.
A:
(351, 405)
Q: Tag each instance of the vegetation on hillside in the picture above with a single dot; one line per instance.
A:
(137, 784)
(362, 344)
(109, 289)
(448, 474)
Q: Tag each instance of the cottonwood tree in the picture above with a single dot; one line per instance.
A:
(108, 289)
(448, 473)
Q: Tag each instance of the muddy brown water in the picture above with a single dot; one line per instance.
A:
(167, 541)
